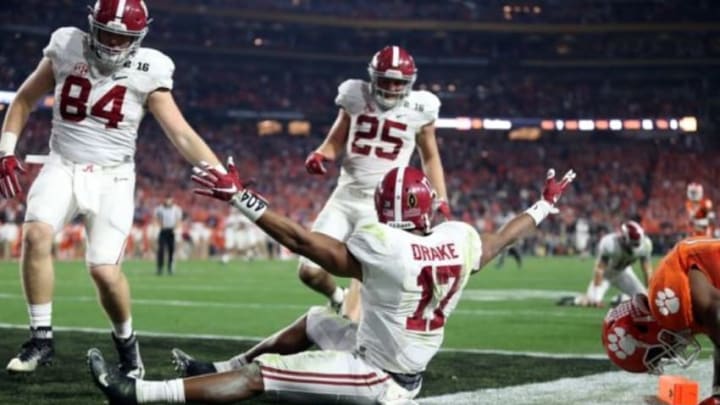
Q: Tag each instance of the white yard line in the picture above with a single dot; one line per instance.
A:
(611, 388)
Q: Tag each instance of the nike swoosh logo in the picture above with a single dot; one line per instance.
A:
(231, 190)
(119, 77)
(103, 379)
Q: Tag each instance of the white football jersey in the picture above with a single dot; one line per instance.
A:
(411, 284)
(95, 116)
(380, 140)
(611, 251)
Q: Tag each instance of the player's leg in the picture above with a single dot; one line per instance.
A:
(289, 340)
(49, 206)
(309, 377)
(320, 326)
(629, 285)
(217, 388)
(171, 251)
(159, 254)
(108, 225)
(514, 251)
(334, 221)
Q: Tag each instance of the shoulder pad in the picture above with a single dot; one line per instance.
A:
(160, 69)
(61, 39)
(351, 95)
(429, 104)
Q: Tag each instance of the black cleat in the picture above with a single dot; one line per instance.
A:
(118, 388)
(33, 353)
(566, 301)
(187, 366)
(129, 355)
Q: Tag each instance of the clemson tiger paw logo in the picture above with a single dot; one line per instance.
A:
(667, 302)
(621, 344)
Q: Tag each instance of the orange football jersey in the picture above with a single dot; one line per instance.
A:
(699, 213)
(669, 289)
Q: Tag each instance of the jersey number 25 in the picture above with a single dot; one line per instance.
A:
(360, 146)
(74, 97)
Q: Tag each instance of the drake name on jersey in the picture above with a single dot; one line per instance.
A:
(96, 116)
(379, 140)
(411, 284)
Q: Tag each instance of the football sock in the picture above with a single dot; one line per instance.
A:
(234, 363)
(123, 330)
(41, 317)
(338, 296)
(170, 391)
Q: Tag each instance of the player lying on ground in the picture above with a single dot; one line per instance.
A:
(647, 332)
(412, 275)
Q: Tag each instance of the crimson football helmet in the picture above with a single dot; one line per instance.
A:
(128, 18)
(631, 234)
(694, 191)
(392, 74)
(635, 341)
(404, 199)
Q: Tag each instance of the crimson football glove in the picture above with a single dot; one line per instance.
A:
(314, 163)
(9, 183)
(218, 185)
(444, 208)
(553, 189)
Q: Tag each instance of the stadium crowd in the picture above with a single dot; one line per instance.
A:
(488, 176)
(228, 77)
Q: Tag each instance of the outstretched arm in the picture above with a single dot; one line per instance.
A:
(523, 224)
(190, 145)
(329, 253)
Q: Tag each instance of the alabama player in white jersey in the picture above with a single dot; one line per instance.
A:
(379, 124)
(412, 278)
(103, 84)
(616, 253)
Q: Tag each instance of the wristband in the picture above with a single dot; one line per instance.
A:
(249, 204)
(8, 140)
(539, 211)
(594, 293)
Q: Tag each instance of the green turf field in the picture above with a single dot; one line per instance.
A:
(501, 310)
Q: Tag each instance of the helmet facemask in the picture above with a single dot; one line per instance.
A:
(636, 342)
(675, 348)
(390, 88)
(105, 55)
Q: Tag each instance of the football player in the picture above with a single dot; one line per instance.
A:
(699, 210)
(412, 277)
(617, 252)
(379, 124)
(650, 331)
(103, 84)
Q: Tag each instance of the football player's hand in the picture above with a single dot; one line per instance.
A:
(554, 189)
(314, 163)
(10, 167)
(714, 400)
(444, 208)
(222, 186)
